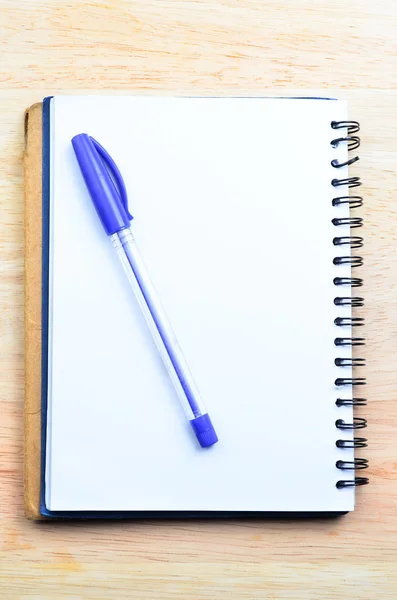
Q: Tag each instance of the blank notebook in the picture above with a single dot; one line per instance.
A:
(241, 214)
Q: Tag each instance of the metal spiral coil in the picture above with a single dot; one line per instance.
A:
(349, 341)
(352, 201)
(357, 423)
(354, 261)
(353, 142)
(351, 402)
(354, 241)
(352, 281)
(351, 126)
(348, 301)
(349, 138)
(357, 464)
(350, 362)
(351, 182)
(349, 321)
(356, 442)
(344, 483)
(350, 381)
(353, 222)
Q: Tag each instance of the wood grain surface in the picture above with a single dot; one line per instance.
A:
(345, 48)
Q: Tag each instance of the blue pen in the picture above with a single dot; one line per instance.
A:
(109, 196)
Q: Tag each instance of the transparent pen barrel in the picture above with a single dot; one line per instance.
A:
(157, 321)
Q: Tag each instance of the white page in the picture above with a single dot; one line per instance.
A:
(232, 200)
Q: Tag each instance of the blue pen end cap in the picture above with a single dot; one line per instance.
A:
(204, 430)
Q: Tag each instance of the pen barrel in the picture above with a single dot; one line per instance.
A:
(163, 335)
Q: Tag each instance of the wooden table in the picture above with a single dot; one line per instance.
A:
(347, 47)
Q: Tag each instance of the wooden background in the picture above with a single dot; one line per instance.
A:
(346, 47)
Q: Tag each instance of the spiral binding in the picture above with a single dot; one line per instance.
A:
(352, 242)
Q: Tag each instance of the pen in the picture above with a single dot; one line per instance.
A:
(109, 196)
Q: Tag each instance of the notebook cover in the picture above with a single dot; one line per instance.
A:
(36, 179)
(32, 166)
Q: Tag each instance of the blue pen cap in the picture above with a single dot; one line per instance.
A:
(204, 430)
(101, 176)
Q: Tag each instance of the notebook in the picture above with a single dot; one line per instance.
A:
(243, 216)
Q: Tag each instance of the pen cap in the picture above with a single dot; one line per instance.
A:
(96, 167)
(204, 430)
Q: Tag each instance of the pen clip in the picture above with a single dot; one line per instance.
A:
(114, 170)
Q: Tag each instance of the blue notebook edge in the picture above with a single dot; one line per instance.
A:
(44, 295)
(44, 511)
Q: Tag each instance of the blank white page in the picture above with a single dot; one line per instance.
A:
(232, 205)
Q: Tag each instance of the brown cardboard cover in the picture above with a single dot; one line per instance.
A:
(32, 164)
